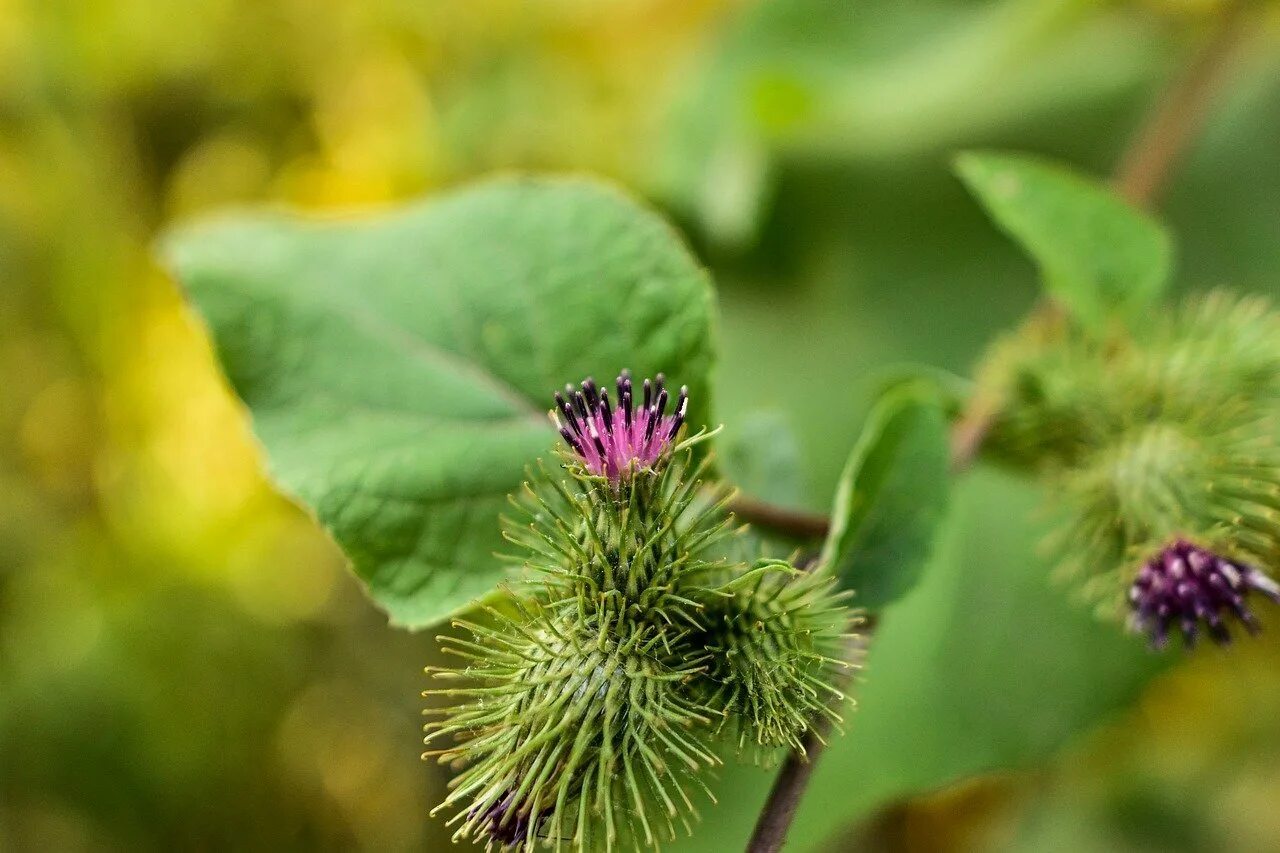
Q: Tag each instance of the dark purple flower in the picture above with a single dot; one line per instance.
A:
(1185, 586)
(616, 439)
(503, 825)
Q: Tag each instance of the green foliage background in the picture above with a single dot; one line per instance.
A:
(184, 662)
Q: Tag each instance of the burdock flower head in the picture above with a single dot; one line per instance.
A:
(615, 442)
(584, 713)
(1185, 586)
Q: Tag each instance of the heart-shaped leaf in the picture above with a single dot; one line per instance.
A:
(1098, 256)
(398, 368)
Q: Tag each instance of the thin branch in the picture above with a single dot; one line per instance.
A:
(970, 430)
(1144, 170)
(792, 780)
(795, 523)
(1164, 136)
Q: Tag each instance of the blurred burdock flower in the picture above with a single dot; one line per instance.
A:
(1159, 436)
(1186, 586)
(615, 442)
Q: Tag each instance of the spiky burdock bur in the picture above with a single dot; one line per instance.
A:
(1147, 435)
(1041, 382)
(778, 638)
(630, 531)
(582, 719)
(1214, 478)
(631, 550)
(585, 739)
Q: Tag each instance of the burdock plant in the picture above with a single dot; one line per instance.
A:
(398, 369)
(587, 714)
(637, 635)
(1185, 585)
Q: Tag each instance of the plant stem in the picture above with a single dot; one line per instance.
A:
(1164, 136)
(1144, 169)
(794, 523)
(970, 430)
(793, 778)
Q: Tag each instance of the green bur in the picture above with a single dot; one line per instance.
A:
(778, 640)
(587, 714)
(1148, 434)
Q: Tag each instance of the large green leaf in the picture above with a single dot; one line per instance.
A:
(398, 369)
(1099, 256)
(891, 497)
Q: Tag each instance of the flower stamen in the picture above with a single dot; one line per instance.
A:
(614, 443)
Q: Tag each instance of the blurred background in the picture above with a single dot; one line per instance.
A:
(185, 663)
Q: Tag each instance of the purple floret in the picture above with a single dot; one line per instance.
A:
(616, 439)
(1185, 587)
(503, 825)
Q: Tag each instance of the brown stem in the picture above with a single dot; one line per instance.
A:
(792, 780)
(970, 430)
(1143, 171)
(795, 523)
(1164, 136)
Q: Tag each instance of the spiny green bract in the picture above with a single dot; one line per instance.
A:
(583, 715)
(1061, 392)
(572, 737)
(633, 550)
(1167, 430)
(776, 641)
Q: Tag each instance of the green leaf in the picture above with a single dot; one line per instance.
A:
(1098, 256)
(891, 497)
(398, 369)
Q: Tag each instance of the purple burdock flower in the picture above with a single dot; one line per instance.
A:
(1184, 586)
(503, 825)
(614, 441)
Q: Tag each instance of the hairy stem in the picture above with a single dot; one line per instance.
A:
(1164, 136)
(1143, 171)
